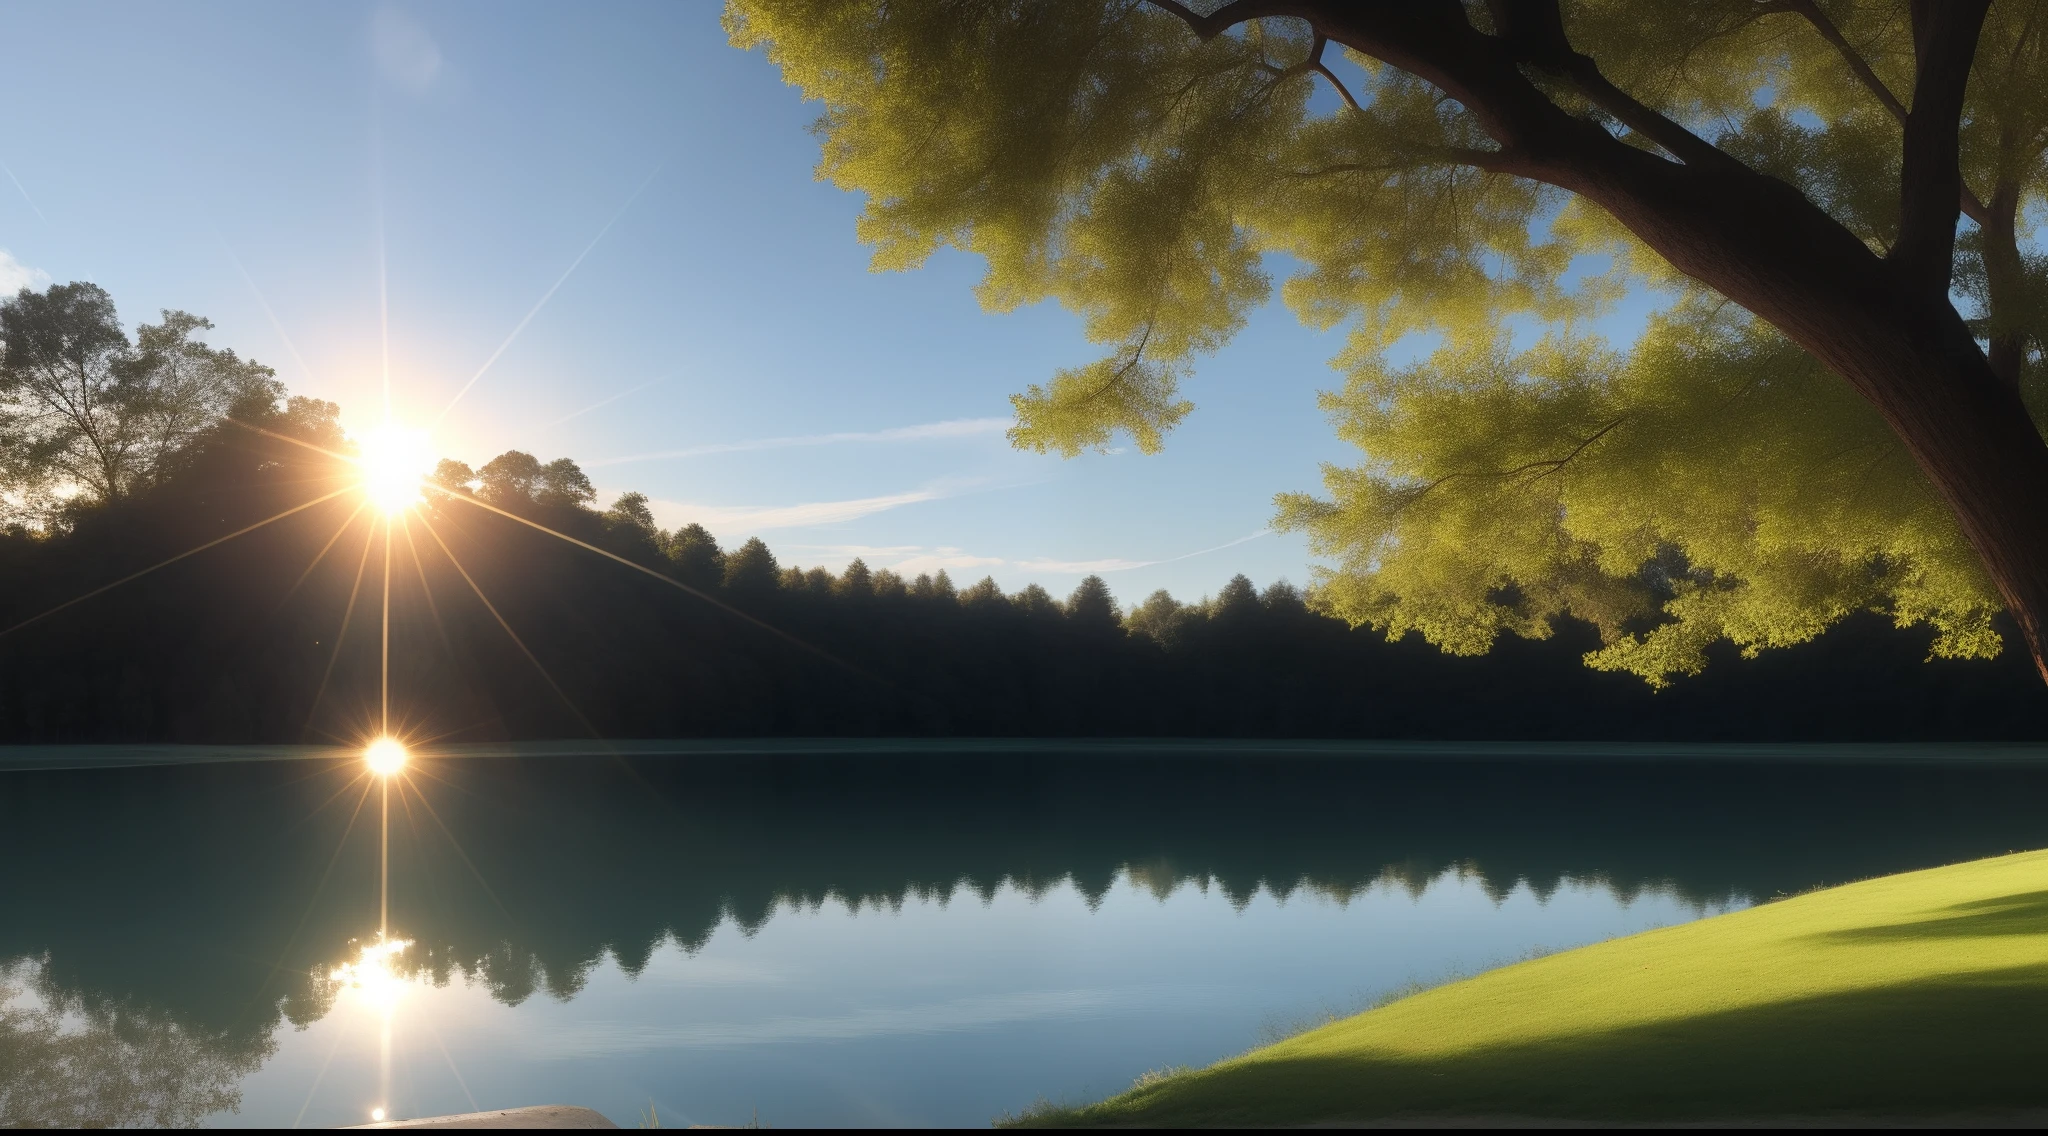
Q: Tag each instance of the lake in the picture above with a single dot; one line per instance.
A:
(868, 934)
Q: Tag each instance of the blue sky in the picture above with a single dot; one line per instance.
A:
(235, 160)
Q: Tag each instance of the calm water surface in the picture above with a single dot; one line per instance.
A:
(870, 939)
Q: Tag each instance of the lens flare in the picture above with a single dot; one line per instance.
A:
(394, 461)
(386, 756)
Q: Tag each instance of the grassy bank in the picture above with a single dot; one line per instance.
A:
(1918, 993)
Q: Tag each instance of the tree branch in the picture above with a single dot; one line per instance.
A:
(1548, 466)
(1316, 64)
(1554, 464)
(1534, 34)
(1861, 69)
(1858, 66)
(1223, 19)
(1313, 64)
(1931, 179)
(2004, 280)
(1492, 161)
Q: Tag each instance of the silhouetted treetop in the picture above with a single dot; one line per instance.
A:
(83, 411)
(751, 567)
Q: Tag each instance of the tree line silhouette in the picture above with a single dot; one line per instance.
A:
(500, 629)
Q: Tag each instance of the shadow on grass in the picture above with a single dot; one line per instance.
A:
(1964, 1043)
(2025, 914)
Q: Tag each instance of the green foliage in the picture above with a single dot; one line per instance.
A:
(856, 580)
(696, 556)
(86, 413)
(630, 511)
(516, 478)
(453, 475)
(1712, 483)
(751, 567)
(1091, 605)
(1159, 618)
(1706, 482)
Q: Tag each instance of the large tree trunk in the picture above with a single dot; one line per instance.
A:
(1969, 432)
(1870, 321)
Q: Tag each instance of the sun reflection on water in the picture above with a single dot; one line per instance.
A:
(374, 975)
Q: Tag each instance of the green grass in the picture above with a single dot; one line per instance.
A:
(1922, 993)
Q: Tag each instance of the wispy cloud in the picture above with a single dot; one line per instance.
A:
(1083, 567)
(951, 428)
(1118, 564)
(722, 519)
(600, 404)
(941, 560)
(910, 559)
(14, 275)
(904, 559)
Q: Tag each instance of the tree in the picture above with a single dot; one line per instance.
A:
(986, 595)
(856, 581)
(1237, 598)
(518, 478)
(177, 388)
(563, 483)
(84, 411)
(696, 556)
(1812, 425)
(511, 478)
(1160, 618)
(454, 476)
(630, 512)
(1036, 602)
(751, 569)
(1092, 606)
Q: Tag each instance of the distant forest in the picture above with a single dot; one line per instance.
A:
(502, 631)
(274, 636)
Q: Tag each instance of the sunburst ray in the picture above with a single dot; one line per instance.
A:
(300, 442)
(313, 900)
(673, 583)
(464, 854)
(340, 635)
(543, 301)
(384, 667)
(427, 589)
(322, 554)
(319, 1077)
(514, 635)
(173, 560)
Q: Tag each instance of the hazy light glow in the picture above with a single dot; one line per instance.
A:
(374, 977)
(386, 756)
(394, 461)
(377, 1114)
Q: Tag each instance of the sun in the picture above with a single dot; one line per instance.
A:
(394, 461)
(385, 756)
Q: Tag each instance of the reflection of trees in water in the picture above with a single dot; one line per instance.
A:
(511, 973)
(71, 1060)
(525, 875)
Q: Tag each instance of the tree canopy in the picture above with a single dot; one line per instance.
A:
(1469, 189)
(83, 410)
